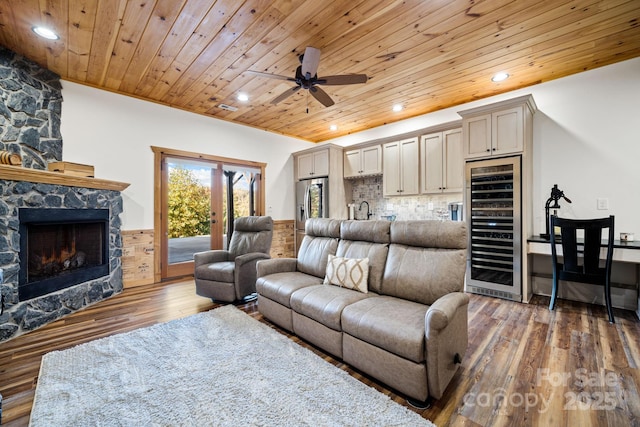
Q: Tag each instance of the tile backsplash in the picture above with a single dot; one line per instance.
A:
(369, 189)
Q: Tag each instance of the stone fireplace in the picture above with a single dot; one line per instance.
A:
(60, 239)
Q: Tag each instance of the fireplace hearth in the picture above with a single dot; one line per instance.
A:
(61, 248)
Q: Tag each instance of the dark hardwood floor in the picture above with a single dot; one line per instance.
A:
(525, 365)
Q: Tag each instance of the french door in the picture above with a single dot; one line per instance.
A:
(197, 198)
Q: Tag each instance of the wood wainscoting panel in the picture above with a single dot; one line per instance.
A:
(137, 257)
(283, 243)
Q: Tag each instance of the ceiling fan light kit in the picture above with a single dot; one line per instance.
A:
(306, 77)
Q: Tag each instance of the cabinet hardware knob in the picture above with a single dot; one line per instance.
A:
(488, 150)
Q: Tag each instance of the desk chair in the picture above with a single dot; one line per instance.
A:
(589, 270)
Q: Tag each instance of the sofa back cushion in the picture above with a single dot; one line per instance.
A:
(366, 239)
(427, 260)
(320, 240)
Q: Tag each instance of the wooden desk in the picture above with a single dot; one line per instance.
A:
(624, 286)
(623, 251)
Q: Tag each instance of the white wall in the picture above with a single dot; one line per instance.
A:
(586, 140)
(114, 133)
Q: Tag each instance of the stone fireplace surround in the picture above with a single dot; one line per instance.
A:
(20, 317)
(30, 111)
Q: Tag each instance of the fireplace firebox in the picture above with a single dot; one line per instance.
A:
(60, 248)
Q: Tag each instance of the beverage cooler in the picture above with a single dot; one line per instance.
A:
(493, 199)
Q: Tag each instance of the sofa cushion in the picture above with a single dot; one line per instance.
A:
(366, 231)
(423, 274)
(392, 324)
(366, 239)
(279, 286)
(217, 272)
(324, 304)
(350, 273)
(430, 234)
(320, 240)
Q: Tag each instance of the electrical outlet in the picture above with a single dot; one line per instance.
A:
(430, 206)
(603, 204)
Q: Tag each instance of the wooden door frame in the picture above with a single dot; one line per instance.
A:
(159, 153)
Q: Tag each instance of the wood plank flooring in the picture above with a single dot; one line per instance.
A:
(525, 365)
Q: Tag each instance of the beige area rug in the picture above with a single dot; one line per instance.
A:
(219, 368)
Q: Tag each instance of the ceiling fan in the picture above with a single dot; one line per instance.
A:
(307, 78)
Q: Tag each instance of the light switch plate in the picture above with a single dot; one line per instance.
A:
(430, 206)
(603, 204)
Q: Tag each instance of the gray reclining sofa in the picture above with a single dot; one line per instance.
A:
(408, 328)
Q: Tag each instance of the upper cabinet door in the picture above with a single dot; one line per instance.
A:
(453, 161)
(371, 160)
(305, 166)
(507, 131)
(391, 184)
(352, 163)
(477, 136)
(321, 163)
(410, 167)
(432, 163)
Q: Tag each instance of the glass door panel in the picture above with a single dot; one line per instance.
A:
(191, 223)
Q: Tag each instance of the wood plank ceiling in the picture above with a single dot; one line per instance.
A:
(424, 55)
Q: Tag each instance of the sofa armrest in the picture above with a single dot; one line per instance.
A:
(443, 310)
(447, 336)
(208, 257)
(276, 265)
(250, 257)
(245, 273)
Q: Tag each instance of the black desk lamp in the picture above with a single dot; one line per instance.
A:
(556, 194)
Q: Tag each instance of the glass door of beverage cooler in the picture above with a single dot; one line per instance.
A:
(495, 233)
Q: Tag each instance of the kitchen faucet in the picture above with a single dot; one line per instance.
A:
(369, 214)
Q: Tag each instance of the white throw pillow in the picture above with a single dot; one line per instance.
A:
(351, 273)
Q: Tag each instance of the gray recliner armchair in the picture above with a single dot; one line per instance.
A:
(230, 275)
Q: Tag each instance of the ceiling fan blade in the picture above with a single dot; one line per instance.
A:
(321, 96)
(270, 76)
(345, 79)
(310, 62)
(284, 95)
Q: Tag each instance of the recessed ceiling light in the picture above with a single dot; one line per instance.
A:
(46, 33)
(243, 97)
(499, 77)
(333, 127)
(397, 107)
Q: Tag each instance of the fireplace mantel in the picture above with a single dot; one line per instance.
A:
(18, 173)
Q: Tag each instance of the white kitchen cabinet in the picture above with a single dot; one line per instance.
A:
(313, 165)
(442, 162)
(363, 162)
(496, 130)
(400, 168)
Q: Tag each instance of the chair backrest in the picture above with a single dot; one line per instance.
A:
(320, 240)
(366, 239)
(251, 234)
(589, 271)
(427, 260)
